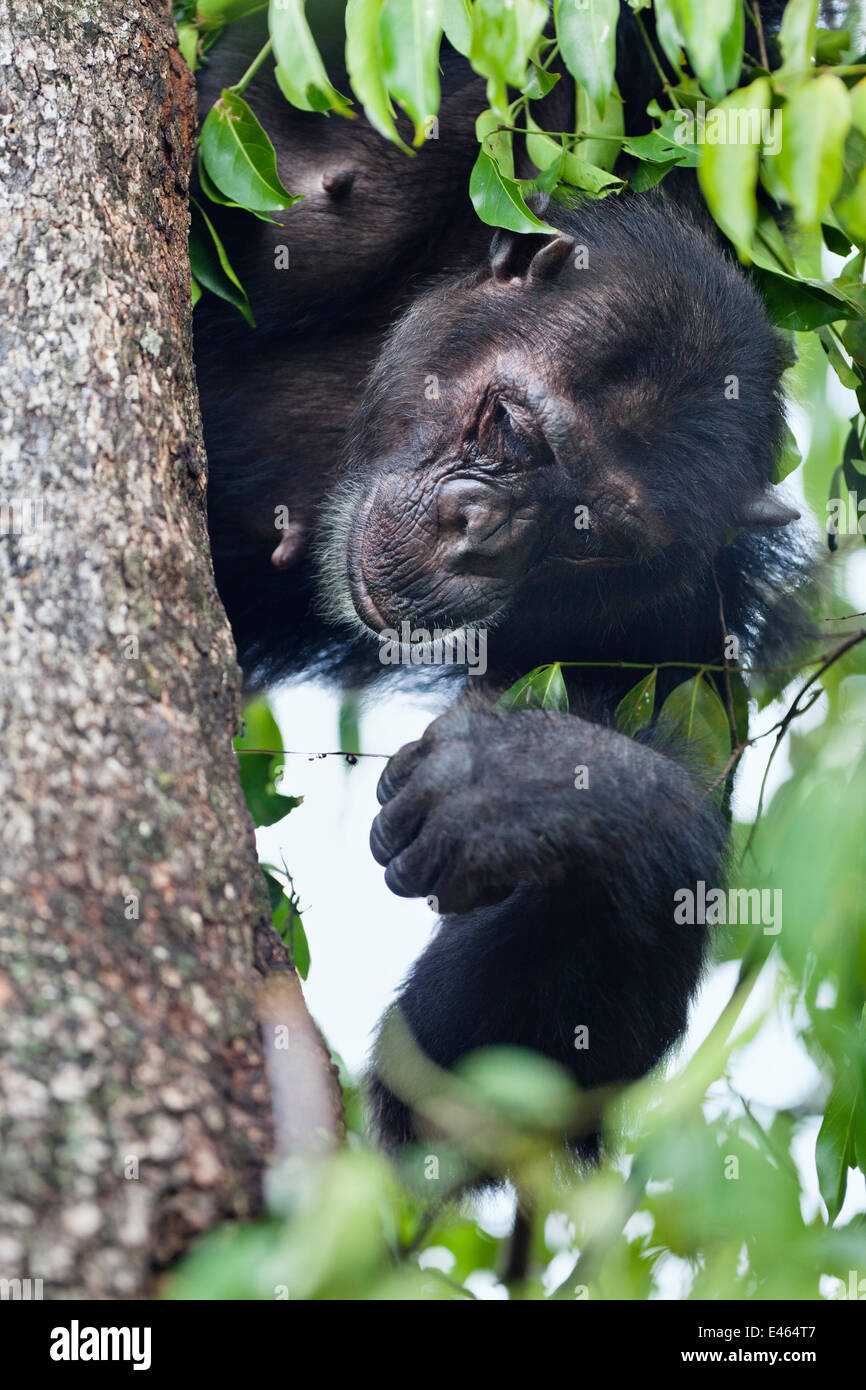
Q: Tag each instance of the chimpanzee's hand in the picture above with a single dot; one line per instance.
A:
(484, 801)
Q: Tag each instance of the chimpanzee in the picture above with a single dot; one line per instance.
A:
(436, 411)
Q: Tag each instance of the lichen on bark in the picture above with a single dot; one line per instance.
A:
(133, 1102)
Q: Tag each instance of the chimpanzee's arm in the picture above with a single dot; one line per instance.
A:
(485, 800)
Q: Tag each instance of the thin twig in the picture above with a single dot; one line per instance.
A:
(762, 45)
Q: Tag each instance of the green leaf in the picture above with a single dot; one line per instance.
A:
(587, 41)
(800, 304)
(728, 173)
(349, 727)
(694, 715)
(410, 33)
(669, 30)
(789, 456)
(731, 49)
(857, 98)
(656, 148)
(194, 290)
(548, 154)
(504, 38)
(211, 266)
(851, 206)
(635, 709)
(499, 201)
(212, 193)
(239, 157)
(809, 164)
(771, 250)
(364, 66)
(300, 71)
(712, 35)
(287, 921)
(646, 176)
(543, 688)
(226, 11)
(602, 152)
(258, 771)
(830, 45)
(797, 36)
(187, 42)
(835, 1145)
(497, 143)
(457, 23)
(539, 82)
(848, 375)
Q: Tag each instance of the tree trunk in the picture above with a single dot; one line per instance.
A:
(135, 1110)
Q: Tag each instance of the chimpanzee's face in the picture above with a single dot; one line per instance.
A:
(495, 490)
(553, 428)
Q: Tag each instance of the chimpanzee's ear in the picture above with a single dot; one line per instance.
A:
(517, 256)
(765, 509)
(548, 262)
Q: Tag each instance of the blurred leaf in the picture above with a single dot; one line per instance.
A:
(713, 36)
(503, 40)
(525, 1088)
(835, 1145)
(457, 23)
(587, 41)
(365, 67)
(789, 455)
(728, 172)
(187, 42)
(797, 36)
(815, 120)
(300, 71)
(226, 11)
(349, 730)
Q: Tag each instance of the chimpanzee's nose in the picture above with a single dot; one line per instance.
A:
(471, 513)
(479, 531)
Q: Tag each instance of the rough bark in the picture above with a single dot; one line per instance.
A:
(135, 1108)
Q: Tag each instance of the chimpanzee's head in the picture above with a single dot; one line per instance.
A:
(597, 406)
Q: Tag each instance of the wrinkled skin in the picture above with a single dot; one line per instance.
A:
(437, 413)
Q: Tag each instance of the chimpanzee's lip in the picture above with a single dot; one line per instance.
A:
(365, 606)
(595, 561)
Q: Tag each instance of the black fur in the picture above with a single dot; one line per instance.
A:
(558, 902)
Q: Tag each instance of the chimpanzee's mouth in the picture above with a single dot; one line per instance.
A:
(596, 562)
(433, 600)
(365, 606)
